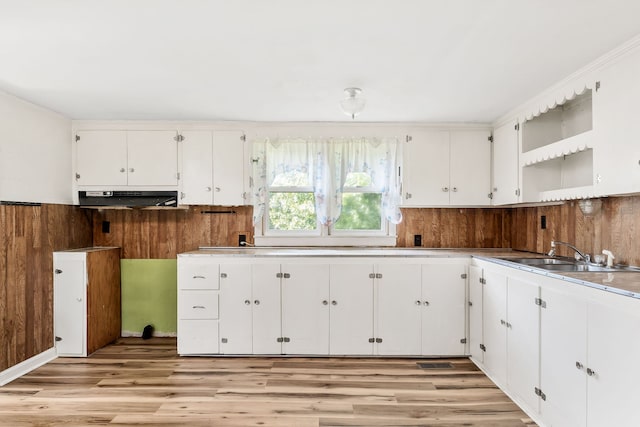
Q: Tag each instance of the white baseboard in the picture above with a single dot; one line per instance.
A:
(27, 366)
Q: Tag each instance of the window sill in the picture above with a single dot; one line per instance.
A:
(326, 241)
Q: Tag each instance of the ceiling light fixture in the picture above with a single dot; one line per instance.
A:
(352, 104)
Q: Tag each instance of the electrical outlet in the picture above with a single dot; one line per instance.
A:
(242, 239)
(543, 222)
(417, 240)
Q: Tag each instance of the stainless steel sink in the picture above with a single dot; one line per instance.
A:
(568, 265)
(541, 261)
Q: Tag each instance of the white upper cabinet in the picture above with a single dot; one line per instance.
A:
(112, 158)
(505, 189)
(426, 169)
(101, 158)
(447, 168)
(213, 168)
(470, 162)
(152, 157)
(616, 112)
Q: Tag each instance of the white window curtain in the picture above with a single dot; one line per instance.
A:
(327, 164)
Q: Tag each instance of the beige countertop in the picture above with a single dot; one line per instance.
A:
(625, 283)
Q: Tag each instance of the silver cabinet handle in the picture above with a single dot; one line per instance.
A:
(257, 302)
(201, 307)
(223, 275)
(208, 188)
(372, 276)
(418, 303)
(247, 302)
(325, 302)
(58, 271)
(199, 277)
(217, 189)
(334, 302)
(455, 189)
(79, 299)
(426, 303)
(502, 322)
(122, 170)
(590, 372)
(445, 189)
(132, 170)
(579, 365)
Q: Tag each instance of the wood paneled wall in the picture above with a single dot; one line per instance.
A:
(28, 237)
(615, 226)
(154, 234)
(456, 228)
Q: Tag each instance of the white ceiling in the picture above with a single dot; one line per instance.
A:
(289, 60)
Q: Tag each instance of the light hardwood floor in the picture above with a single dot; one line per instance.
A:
(135, 382)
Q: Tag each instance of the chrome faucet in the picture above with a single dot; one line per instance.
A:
(585, 257)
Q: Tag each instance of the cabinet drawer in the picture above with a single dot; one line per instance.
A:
(198, 337)
(198, 305)
(198, 274)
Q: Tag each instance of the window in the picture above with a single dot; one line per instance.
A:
(334, 187)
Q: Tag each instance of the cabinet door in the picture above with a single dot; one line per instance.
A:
(152, 158)
(266, 309)
(426, 167)
(475, 313)
(494, 325)
(228, 168)
(198, 336)
(69, 305)
(351, 309)
(470, 162)
(505, 164)
(613, 354)
(197, 168)
(101, 157)
(236, 309)
(523, 340)
(563, 354)
(443, 310)
(616, 126)
(398, 309)
(305, 308)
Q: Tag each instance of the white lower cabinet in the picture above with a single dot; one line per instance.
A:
(613, 352)
(305, 309)
(322, 306)
(198, 306)
(494, 331)
(589, 359)
(351, 307)
(399, 309)
(512, 334)
(236, 310)
(523, 339)
(476, 280)
(565, 352)
(444, 309)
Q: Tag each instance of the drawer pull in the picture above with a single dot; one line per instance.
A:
(199, 277)
(202, 307)
(247, 302)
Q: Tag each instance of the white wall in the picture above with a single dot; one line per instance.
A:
(35, 153)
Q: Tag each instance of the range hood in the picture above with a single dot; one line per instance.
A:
(130, 199)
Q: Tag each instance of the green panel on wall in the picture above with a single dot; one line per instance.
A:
(149, 296)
